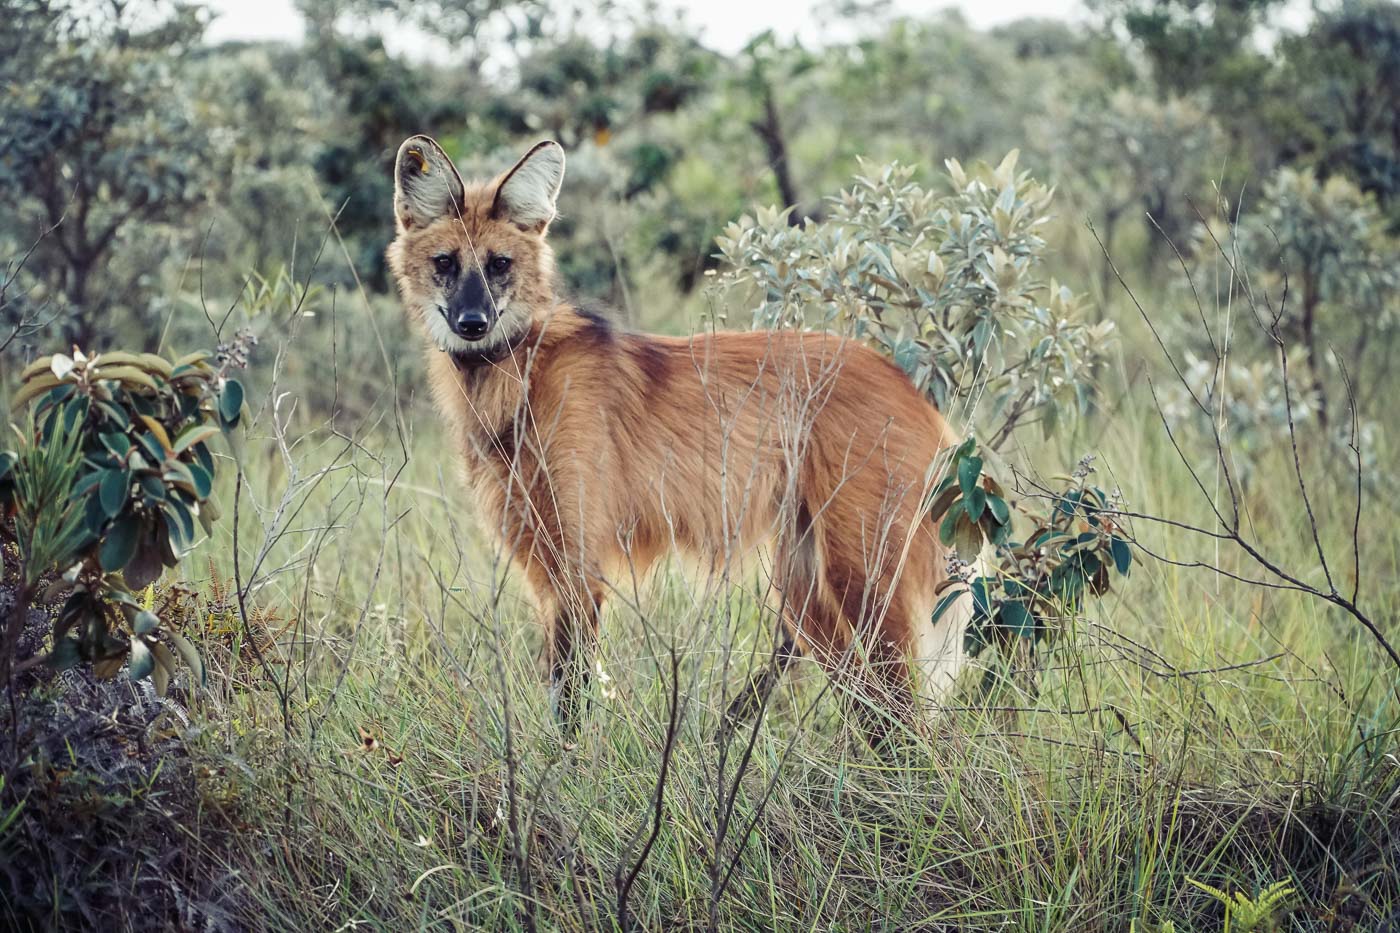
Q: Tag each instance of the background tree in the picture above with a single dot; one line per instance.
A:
(1326, 244)
(1338, 102)
(103, 151)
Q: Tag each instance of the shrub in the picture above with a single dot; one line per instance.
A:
(114, 472)
(951, 286)
(1074, 545)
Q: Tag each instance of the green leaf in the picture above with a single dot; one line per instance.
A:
(231, 402)
(946, 602)
(120, 543)
(204, 458)
(115, 484)
(976, 503)
(1122, 555)
(941, 502)
(153, 487)
(65, 654)
(1000, 511)
(142, 661)
(194, 434)
(969, 469)
(949, 525)
(1017, 618)
(181, 526)
(146, 621)
(117, 443)
(203, 482)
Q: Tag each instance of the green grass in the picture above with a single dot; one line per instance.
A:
(1188, 728)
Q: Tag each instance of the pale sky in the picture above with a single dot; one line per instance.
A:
(725, 25)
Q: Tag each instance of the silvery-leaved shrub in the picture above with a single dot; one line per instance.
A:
(950, 283)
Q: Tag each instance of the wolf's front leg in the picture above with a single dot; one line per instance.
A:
(573, 636)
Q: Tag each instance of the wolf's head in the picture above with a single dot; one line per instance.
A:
(471, 260)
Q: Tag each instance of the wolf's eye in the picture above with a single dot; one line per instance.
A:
(445, 264)
(499, 264)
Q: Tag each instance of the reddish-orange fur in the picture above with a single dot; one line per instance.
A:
(593, 452)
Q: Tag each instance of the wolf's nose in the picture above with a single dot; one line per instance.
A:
(471, 325)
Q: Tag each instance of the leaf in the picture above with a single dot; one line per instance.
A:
(976, 503)
(153, 487)
(42, 364)
(231, 402)
(969, 469)
(120, 543)
(178, 474)
(1017, 618)
(1000, 511)
(194, 434)
(115, 484)
(164, 667)
(127, 375)
(191, 656)
(1122, 555)
(190, 359)
(65, 654)
(142, 661)
(118, 443)
(941, 503)
(146, 622)
(31, 390)
(106, 668)
(158, 431)
(203, 482)
(946, 603)
(967, 537)
(949, 526)
(182, 526)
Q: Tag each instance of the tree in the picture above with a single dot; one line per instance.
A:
(101, 140)
(1131, 153)
(1341, 82)
(1326, 243)
(1194, 45)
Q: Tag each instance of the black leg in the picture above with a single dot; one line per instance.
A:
(570, 671)
(752, 698)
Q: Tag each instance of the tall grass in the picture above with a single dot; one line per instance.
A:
(407, 773)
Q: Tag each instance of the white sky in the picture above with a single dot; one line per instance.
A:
(725, 25)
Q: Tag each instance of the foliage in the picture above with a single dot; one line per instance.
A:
(1245, 914)
(1341, 79)
(1326, 242)
(1072, 548)
(1193, 43)
(1136, 155)
(1330, 239)
(107, 490)
(100, 139)
(949, 285)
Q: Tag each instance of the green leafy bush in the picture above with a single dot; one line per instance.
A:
(1073, 546)
(114, 473)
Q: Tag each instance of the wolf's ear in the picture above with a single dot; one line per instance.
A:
(426, 183)
(526, 195)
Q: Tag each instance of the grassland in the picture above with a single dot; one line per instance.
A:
(394, 765)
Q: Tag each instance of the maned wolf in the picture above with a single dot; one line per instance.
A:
(592, 451)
